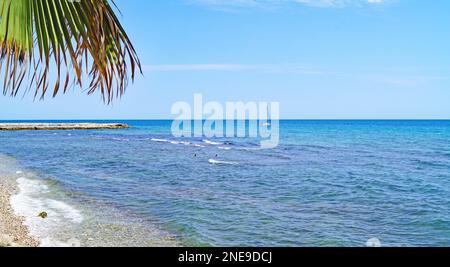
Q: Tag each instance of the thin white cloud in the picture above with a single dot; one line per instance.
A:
(339, 3)
(268, 3)
(282, 68)
(196, 67)
(387, 78)
(405, 80)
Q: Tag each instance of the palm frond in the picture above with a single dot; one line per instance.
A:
(82, 38)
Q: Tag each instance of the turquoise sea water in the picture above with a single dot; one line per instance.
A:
(328, 183)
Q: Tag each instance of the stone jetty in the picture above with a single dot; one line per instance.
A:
(60, 126)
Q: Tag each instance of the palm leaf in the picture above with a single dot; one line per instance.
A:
(82, 38)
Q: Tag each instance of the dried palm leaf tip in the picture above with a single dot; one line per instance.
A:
(78, 37)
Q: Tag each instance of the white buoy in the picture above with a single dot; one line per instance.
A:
(373, 243)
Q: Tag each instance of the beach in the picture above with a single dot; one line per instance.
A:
(69, 222)
(13, 233)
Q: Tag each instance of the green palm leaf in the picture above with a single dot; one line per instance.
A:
(81, 38)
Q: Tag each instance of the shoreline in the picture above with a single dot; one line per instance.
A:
(13, 232)
(23, 197)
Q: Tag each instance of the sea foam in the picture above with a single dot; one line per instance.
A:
(160, 140)
(221, 162)
(212, 143)
(31, 201)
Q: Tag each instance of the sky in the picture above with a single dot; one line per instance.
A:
(320, 59)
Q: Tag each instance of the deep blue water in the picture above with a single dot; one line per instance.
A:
(328, 183)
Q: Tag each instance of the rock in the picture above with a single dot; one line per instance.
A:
(5, 240)
(60, 126)
(43, 215)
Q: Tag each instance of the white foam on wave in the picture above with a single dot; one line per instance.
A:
(224, 148)
(220, 162)
(120, 139)
(160, 140)
(173, 142)
(251, 148)
(30, 202)
(212, 143)
(198, 145)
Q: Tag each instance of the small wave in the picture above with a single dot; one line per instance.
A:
(224, 148)
(198, 145)
(31, 200)
(251, 148)
(160, 140)
(436, 164)
(212, 143)
(111, 138)
(180, 143)
(173, 142)
(120, 139)
(220, 162)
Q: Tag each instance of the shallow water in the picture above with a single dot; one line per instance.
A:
(329, 183)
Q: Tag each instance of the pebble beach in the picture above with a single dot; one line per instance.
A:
(13, 233)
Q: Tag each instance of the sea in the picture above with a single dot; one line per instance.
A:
(329, 183)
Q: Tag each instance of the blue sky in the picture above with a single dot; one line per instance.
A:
(323, 59)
